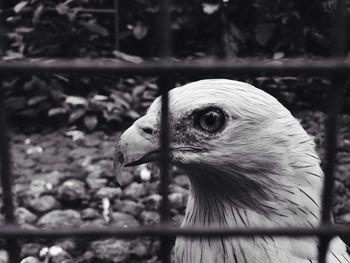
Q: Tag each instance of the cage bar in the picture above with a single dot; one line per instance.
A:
(161, 67)
(164, 85)
(10, 231)
(6, 179)
(335, 102)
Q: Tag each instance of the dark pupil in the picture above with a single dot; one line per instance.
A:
(211, 118)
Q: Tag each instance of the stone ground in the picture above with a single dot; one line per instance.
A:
(65, 179)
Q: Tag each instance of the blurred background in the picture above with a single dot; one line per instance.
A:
(64, 126)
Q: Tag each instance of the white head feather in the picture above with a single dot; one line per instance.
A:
(259, 169)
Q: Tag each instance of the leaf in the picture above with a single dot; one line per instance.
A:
(140, 31)
(36, 100)
(76, 115)
(37, 14)
(24, 30)
(98, 97)
(62, 9)
(90, 122)
(138, 90)
(126, 57)
(210, 9)
(56, 111)
(132, 114)
(75, 135)
(19, 7)
(263, 33)
(73, 13)
(75, 100)
(61, 77)
(112, 116)
(278, 55)
(95, 28)
(10, 55)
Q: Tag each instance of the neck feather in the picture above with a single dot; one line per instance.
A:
(225, 201)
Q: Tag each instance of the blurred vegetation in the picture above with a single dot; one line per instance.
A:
(201, 28)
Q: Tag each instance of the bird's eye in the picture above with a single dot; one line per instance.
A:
(211, 120)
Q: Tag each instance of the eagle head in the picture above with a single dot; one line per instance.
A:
(237, 144)
(249, 161)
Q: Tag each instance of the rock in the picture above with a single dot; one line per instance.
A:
(130, 207)
(43, 204)
(94, 223)
(59, 255)
(154, 247)
(109, 192)
(89, 214)
(30, 249)
(28, 226)
(339, 188)
(72, 191)
(60, 218)
(182, 180)
(152, 202)
(107, 168)
(140, 249)
(149, 218)
(124, 220)
(111, 250)
(93, 170)
(152, 260)
(178, 200)
(177, 189)
(135, 191)
(54, 178)
(38, 187)
(87, 257)
(96, 183)
(68, 245)
(24, 216)
(30, 259)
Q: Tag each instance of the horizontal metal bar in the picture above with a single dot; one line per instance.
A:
(50, 9)
(325, 66)
(329, 231)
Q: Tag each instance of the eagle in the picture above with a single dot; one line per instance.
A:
(250, 164)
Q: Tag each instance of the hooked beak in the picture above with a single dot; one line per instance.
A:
(134, 147)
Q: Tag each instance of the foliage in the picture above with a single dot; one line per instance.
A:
(228, 28)
(48, 29)
(43, 99)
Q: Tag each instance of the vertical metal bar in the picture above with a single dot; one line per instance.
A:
(335, 102)
(6, 182)
(165, 85)
(164, 29)
(116, 24)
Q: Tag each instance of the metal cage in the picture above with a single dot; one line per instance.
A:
(336, 67)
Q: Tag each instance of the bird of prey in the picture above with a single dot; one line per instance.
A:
(250, 164)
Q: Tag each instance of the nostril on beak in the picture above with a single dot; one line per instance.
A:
(147, 130)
